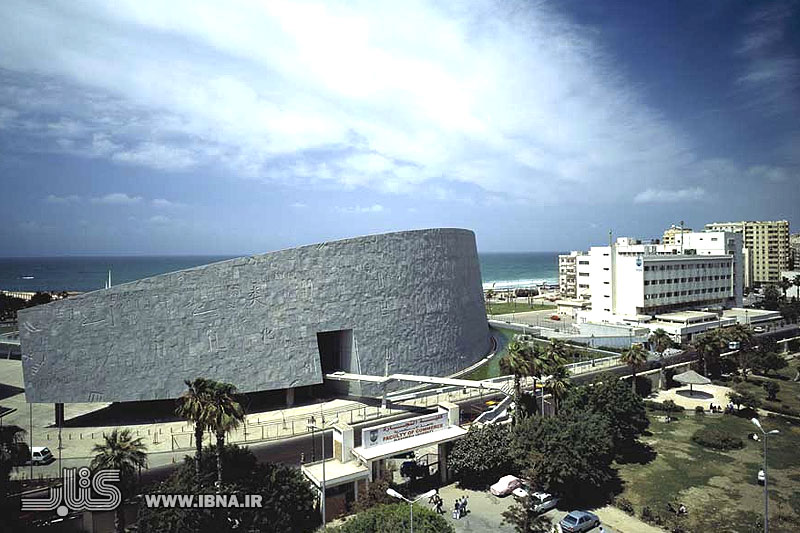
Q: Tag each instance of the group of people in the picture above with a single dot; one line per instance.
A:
(459, 507)
(718, 409)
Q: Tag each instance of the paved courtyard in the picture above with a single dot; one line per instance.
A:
(703, 395)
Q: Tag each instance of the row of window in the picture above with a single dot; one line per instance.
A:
(684, 293)
(684, 280)
(684, 266)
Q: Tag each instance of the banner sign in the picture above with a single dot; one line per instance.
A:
(375, 436)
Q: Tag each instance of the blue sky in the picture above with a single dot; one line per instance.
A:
(241, 127)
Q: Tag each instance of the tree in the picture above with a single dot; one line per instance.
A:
(634, 357)
(784, 284)
(288, 500)
(524, 519)
(796, 283)
(771, 298)
(617, 403)
(772, 389)
(570, 454)
(660, 342)
(742, 334)
(13, 451)
(120, 451)
(558, 384)
(372, 494)
(225, 415)
(742, 397)
(194, 405)
(517, 362)
(481, 456)
(768, 360)
(394, 518)
(708, 348)
(39, 298)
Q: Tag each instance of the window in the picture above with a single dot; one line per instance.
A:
(647, 269)
(647, 282)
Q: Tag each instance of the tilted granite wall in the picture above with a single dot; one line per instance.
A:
(252, 321)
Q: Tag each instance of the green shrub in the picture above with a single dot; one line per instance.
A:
(699, 410)
(394, 517)
(624, 504)
(668, 406)
(717, 439)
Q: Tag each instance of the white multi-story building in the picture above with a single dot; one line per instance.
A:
(633, 281)
(583, 289)
(567, 273)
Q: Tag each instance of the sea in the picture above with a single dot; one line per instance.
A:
(88, 273)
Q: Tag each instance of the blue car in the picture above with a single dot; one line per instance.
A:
(579, 521)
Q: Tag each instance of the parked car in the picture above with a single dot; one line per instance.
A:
(540, 501)
(555, 317)
(761, 477)
(505, 485)
(759, 329)
(579, 521)
(41, 455)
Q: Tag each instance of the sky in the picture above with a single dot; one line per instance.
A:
(189, 127)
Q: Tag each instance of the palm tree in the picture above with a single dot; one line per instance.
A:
(784, 284)
(660, 342)
(634, 357)
(226, 413)
(558, 384)
(744, 336)
(120, 451)
(517, 362)
(194, 405)
(708, 348)
(541, 361)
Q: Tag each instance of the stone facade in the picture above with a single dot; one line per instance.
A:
(414, 297)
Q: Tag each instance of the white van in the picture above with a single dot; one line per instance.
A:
(41, 455)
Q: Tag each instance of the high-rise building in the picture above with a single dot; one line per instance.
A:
(669, 234)
(766, 245)
(794, 244)
(631, 280)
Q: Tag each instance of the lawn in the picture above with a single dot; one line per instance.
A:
(510, 307)
(789, 394)
(718, 488)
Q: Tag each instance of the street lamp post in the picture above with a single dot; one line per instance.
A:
(321, 429)
(766, 496)
(394, 494)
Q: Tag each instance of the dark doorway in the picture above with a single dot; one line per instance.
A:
(335, 350)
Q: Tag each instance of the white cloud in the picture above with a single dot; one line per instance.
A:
(298, 205)
(163, 203)
(117, 198)
(374, 208)
(668, 196)
(53, 199)
(159, 220)
(768, 173)
(361, 94)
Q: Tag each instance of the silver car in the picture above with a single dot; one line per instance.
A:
(577, 521)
